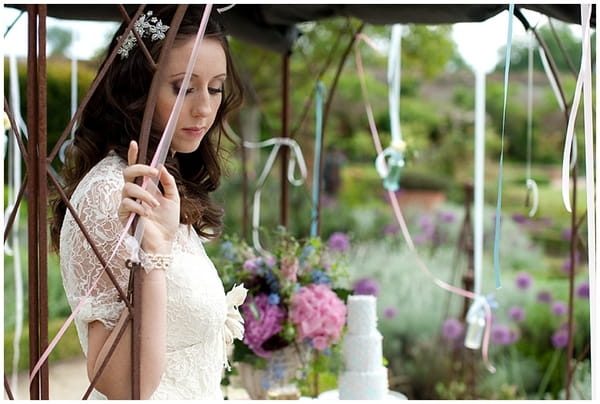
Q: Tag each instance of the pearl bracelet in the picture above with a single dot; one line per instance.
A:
(157, 261)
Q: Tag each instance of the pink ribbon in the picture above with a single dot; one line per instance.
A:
(400, 219)
(158, 158)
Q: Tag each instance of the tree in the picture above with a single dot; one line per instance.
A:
(562, 45)
(59, 39)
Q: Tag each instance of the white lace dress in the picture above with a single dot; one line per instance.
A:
(201, 319)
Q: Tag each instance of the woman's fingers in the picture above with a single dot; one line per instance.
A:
(133, 191)
(132, 153)
(169, 185)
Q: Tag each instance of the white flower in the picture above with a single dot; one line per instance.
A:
(234, 324)
(6, 121)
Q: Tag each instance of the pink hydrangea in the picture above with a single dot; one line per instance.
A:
(318, 314)
(261, 325)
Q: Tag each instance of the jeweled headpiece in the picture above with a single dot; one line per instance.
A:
(145, 26)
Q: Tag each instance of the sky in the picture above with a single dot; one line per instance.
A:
(478, 43)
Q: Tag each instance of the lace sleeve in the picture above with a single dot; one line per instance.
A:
(96, 202)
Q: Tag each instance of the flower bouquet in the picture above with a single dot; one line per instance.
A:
(296, 298)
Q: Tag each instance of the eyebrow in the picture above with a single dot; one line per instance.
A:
(221, 75)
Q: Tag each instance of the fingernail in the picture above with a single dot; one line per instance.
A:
(155, 203)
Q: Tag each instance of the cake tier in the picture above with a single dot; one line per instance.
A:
(362, 352)
(362, 314)
(371, 385)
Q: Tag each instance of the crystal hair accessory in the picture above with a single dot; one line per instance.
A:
(146, 26)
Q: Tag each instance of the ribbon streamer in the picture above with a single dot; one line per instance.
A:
(320, 93)
(13, 243)
(403, 227)
(296, 155)
(511, 11)
(585, 59)
(159, 157)
(530, 182)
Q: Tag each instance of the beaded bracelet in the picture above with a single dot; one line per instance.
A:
(157, 261)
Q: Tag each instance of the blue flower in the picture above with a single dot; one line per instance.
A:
(228, 251)
(272, 282)
(274, 298)
(319, 277)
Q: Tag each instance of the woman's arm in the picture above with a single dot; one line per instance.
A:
(115, 381)
(160, 213)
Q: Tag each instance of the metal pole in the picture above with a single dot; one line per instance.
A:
(32, 189)
(285, 132)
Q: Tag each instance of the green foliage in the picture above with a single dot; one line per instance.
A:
(68, 346)
(411, 337)
(559, 39)
(59, 40)
(58, 92)
(426, 50)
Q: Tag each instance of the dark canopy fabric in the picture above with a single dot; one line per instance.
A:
(274, 26)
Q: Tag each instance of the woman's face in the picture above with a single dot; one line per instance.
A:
(203, 95)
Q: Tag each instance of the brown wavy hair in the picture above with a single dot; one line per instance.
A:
(114, 114)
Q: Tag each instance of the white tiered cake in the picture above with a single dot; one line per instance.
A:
(364, 377)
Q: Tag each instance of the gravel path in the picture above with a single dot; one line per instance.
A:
(68, 381)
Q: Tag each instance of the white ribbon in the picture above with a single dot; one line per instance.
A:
(277, 142)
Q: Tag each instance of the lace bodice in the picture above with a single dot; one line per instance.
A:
(198, 324)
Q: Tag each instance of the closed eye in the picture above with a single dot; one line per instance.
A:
(176, 89)
(215, 90)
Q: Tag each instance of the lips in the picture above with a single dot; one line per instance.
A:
(194, 131)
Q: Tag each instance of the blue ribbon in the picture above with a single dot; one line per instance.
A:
(511, 11)
(320, 92)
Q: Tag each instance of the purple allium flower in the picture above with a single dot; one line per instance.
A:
(390, 312)
(583, 290)
(566, 234)
(516, 313)
(327, 201)
(560, 339)
(559, 308)
(391, 229)
(425, 223)
(447, 217)
(366, 286)
(500, 334)
(566, 265)
(452, 328)
(544, 296)
(519, 218)
(338, 241)
(420, 239)
(523, 280)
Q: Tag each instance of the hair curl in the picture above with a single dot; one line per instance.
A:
(113, 117)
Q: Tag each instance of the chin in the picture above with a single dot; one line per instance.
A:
(186, 149)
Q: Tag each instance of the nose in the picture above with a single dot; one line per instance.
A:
(201, 105)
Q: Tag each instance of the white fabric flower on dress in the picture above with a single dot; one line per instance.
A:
(234, 323)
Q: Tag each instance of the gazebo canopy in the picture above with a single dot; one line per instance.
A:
(274, 26)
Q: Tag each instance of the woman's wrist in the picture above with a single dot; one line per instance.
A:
(161, 262)
(157, 247)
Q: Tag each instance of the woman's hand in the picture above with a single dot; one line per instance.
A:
(159, 211)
